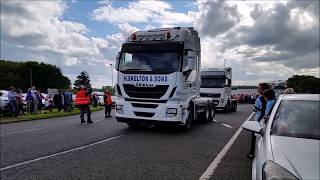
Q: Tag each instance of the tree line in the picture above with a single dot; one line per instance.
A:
(23, 75)
(304, 84)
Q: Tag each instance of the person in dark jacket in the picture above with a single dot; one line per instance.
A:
(58, 100)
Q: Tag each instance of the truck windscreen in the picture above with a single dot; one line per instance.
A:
(150, 62)
(207, 82)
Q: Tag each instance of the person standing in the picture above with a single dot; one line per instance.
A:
(59, 100)
(12, 97)
(83, 101)
(107, 103)
(259, 108)
(29, 100)
(20, 102)
(39, 98)
(270, 97)
(95, 100)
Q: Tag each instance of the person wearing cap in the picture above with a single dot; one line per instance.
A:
(83, 101)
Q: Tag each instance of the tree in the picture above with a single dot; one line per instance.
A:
(44, 76)
(83, 79)
(304, 84)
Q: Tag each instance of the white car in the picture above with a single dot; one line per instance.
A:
(287, 145)
(4, 102)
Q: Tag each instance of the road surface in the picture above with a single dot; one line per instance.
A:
(62, 148)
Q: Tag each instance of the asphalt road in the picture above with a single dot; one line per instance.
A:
(62, 148)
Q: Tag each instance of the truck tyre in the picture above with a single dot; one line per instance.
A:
(227, 107)
(189, 121)
(235, 106)
(212, 113)
(206, 117)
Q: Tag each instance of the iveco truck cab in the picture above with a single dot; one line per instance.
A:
(158, 78)
(216, 83)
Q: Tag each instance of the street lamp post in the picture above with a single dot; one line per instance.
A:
(111, 65)
(30, 77)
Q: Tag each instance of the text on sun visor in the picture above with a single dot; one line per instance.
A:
(144, 78)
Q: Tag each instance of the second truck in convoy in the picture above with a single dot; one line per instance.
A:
(158, 79)
(216, 83)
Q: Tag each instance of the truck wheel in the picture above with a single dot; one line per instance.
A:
(227, 107)
(207, 114)
(188, 124)
(235, 107)
(212, 113)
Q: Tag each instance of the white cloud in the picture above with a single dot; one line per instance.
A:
(39, 30)
(261, 40)
(159, 12)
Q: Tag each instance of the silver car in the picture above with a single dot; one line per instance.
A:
(288, 142)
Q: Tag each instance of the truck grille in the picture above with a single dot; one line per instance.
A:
(144, 114)
(144, 105)
(145, 92)
(210, 95)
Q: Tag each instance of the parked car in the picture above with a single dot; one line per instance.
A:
(4, 102)
(288, 142)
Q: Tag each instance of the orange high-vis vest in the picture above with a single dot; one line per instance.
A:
(108, 100)
(81, 98)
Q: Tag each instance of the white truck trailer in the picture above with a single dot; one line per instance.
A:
(216, 83)
(158, 79)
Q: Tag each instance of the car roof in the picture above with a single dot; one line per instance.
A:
(310, 97)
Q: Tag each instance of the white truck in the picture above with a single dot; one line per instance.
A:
(216, 83)
(158, 79)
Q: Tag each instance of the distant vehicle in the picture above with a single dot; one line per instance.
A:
(4, 102)
(114, 101)
(100, 97)
(287, 145)
(216, 83)
(278, 86)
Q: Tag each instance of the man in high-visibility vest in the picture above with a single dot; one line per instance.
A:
(107, 103)
(83, 102)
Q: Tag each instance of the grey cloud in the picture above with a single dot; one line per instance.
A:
(218, 18)
(285, 41)
(256, 13)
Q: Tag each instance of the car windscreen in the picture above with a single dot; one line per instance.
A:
(150, 61)
(297, 118)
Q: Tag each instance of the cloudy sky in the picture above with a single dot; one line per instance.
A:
(261, 40)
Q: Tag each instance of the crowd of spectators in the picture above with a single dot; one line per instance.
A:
(245, 98)
(34, 102)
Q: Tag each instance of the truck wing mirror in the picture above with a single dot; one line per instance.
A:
(191, 62)
(117, 60)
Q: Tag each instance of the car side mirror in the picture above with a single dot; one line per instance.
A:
(253, 126)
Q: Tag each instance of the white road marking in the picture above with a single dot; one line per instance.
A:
(29, 130)
(226, 125)
(212, 167)
(60, 153)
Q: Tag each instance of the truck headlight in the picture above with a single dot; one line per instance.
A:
(274, 171)
(119, 109)
(171, 111)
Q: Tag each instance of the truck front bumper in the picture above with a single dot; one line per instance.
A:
(171, 112)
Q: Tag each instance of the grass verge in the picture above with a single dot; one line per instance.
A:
(53, 114)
